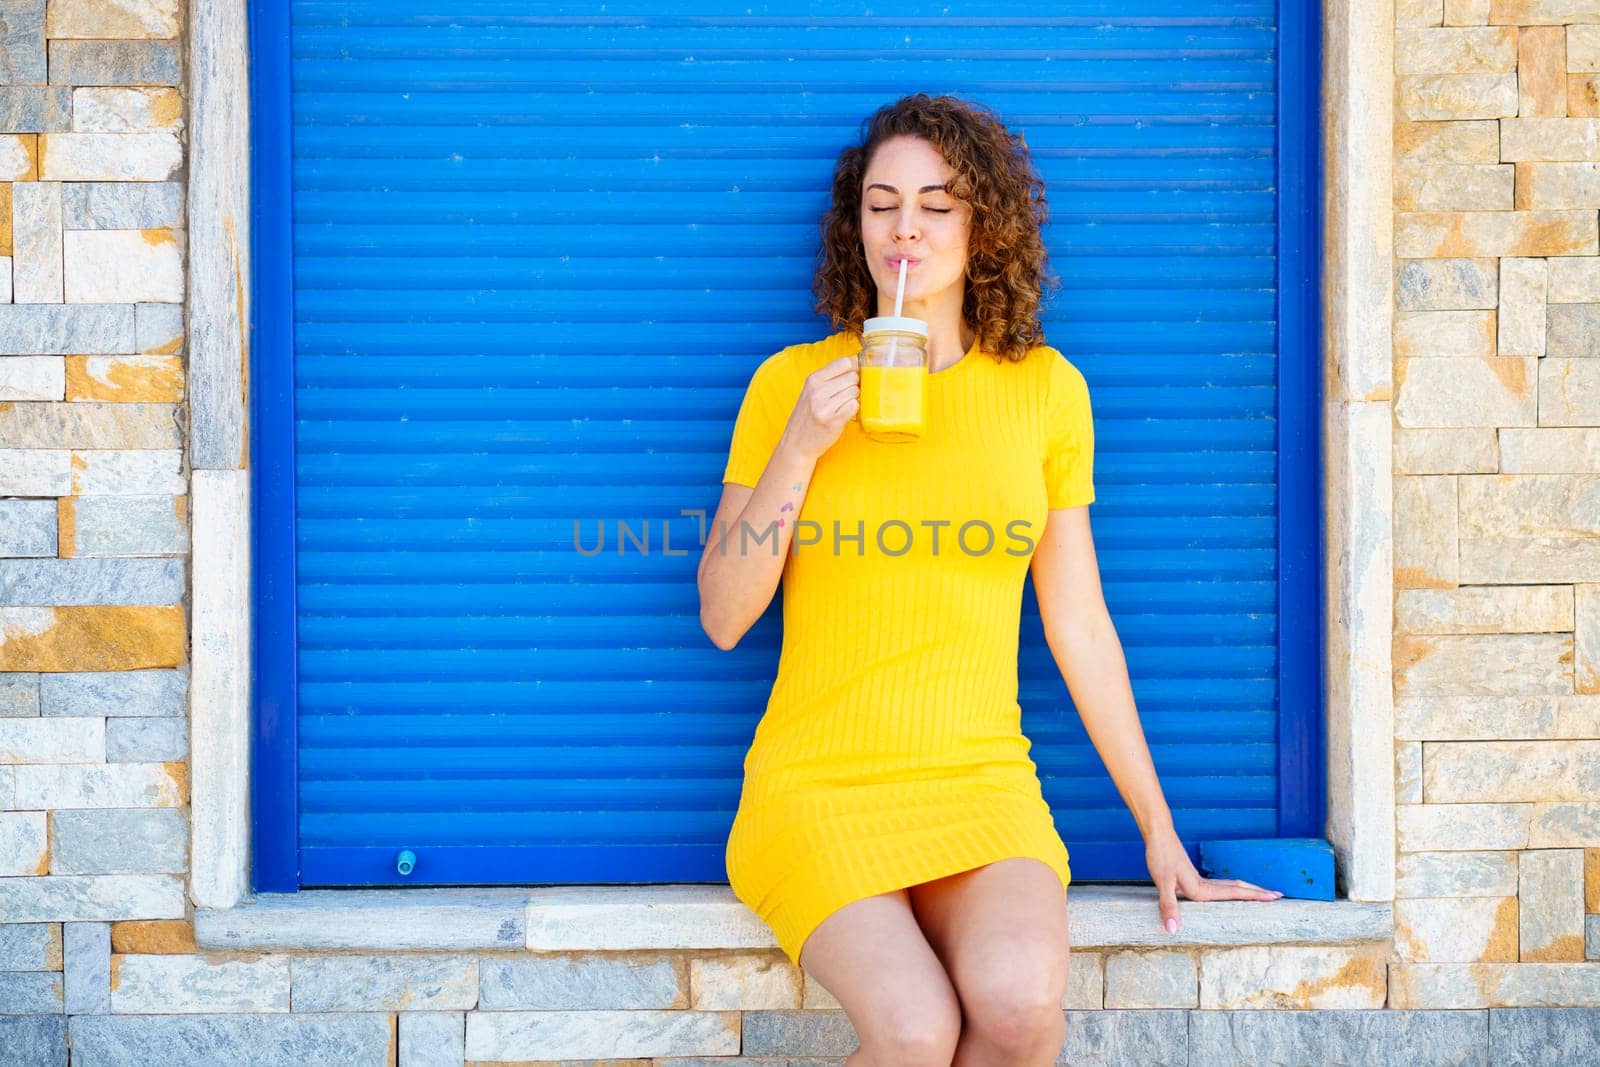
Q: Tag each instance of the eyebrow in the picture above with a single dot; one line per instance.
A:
(892, 189)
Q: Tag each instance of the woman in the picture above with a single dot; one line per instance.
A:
(891, 828)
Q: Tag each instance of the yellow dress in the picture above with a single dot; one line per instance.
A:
(891, 750)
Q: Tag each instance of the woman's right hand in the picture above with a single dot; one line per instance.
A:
(829, 399)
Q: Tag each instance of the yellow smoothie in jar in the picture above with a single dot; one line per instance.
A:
(892, 402)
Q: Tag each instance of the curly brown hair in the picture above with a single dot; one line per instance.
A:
(1006, 260)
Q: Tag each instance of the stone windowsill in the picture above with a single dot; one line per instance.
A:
(706, 917)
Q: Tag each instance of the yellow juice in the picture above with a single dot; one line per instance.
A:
(891, 402)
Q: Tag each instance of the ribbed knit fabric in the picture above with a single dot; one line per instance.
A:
(891, 750)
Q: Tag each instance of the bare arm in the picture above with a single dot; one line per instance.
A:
(1079, 631)
(753, 529)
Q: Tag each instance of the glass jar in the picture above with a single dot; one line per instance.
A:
(894, 377)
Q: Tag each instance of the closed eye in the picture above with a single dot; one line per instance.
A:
(940, 210)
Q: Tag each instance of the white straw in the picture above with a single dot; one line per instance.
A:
(899, 297)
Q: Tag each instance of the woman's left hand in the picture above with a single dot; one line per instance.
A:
(1174, 874)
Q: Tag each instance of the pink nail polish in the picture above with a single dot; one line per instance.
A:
(1172, 926)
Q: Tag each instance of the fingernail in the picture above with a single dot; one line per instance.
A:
(1172, 926)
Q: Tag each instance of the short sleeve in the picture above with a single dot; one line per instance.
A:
(757, 427)
(1069, 437)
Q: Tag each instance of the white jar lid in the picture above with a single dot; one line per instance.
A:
(895, 322)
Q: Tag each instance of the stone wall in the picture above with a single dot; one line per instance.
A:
(1497, 503)
(106, 426)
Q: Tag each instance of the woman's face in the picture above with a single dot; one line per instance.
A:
(906, 213)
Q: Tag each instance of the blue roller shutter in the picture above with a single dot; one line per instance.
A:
(538, 248)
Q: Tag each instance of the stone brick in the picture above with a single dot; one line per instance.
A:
(1574, 280)
(122, 205)
(1551, 892)
(110, 785)
(92, 638)
(23, 848)
(1408, 772)
(35, 472)
(163, 985)
(1444, 333)
(1541, 70)
(88, 582)
(127, 473)
(1484, 985)
(1553, 451)
(91, 898)
(112, 693)
(1152, 980)
(1456, 929)
(90, 425)
(546, 1035)
(1583, 95)
(1522, 308)
(1462, 827)
(111, 266)
(1528, 506)
(1542, 140)
(146, 740)
(1489, 561)
(124, 525)
(1425, 532)
(1446, 142)
(119, 110)
(1449, 451)
(19, 693)
(30, 992)
(154, 937)
(432, 1039)
(740, 983)
(128, 379)
(19, 161)
(1455, 187)
(158, 329)
(229, 1040)
(1418, 12)
(434, 919)
(1432, 234)
(51, 329)
(1354, 1036)
(1292, 976)
(1542, 1035)
(1569, 392)
(88, 967)
(1456, 874)
(1465, 772)
(1591, 879)
(27, 528)
(1485, 610)
(8, 787)
(1481, 50)
(1482, 664)
(384, 983)
(584, 982)
(119, 841)
(1591, 937)
(1457, 96)
(1562, 824)
(32, 378)
(115, 63)
(1586, 641)
(1086, 981)
(65, 740)
(1447, 284)
(109, 157)
(1574, 330)
(1555, 186)
(1497, 718)
(30, 947)
(125, 19)
(1497, 391)
(22, 55)
(36, 242)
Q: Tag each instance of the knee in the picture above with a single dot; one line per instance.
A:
(1019, 1009)
(914, 1038)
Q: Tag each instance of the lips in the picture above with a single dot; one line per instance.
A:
(894, 261)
